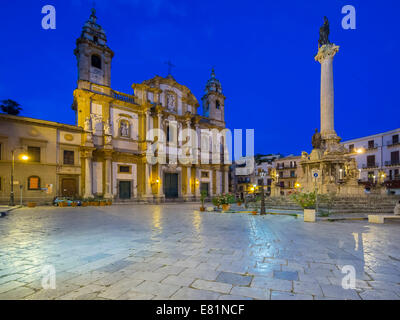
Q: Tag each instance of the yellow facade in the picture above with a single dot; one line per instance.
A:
(116, 130)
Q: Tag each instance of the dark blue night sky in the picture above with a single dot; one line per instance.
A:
(263, 53)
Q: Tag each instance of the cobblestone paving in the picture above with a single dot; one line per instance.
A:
(171, 252)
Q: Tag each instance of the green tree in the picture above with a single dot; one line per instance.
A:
(10, 107)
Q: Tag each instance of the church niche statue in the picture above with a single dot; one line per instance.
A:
(87, 125)
(351, 169)
(324, 33)
(124, 128)
(316, 140)
(107, 128)
(170, 101)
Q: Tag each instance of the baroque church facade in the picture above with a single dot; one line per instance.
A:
(116, 144)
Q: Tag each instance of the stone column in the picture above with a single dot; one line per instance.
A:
(197, 185)
(189, 193)
(226, 181)
(213, 182)
(161, 144)
(147, 168)
(88, 175)
(325, 58)
(197, 153)
(108, 190)
(147, 122)
(189, 146)
(161, 182)
(218, 178)
(159, 116)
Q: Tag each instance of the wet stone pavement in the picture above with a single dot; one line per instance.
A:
(171, 252)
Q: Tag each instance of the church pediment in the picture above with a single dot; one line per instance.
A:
(169, 83)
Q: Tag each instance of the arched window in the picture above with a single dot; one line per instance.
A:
(33, 183)
(124, 128)
(217, 105)
(96, 61)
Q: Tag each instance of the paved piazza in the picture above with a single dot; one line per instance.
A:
(171, 252)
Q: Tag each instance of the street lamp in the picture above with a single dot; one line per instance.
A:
(22, 157)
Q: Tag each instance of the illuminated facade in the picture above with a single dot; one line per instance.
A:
(116, 140)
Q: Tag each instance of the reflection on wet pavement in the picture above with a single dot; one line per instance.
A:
(172, 252)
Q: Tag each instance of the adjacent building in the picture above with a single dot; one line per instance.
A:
(286, 174)
(54, 159)
(378, 159)
(249, 173)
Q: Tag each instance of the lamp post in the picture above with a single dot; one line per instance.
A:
(262, 208)
(22, 157)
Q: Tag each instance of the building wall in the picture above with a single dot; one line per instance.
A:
(382, 148)
(19, 133)
(287, 171)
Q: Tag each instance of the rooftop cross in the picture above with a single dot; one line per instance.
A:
(93, 15)
(213, 72)
(170, 66)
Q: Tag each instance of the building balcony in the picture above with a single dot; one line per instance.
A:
(281, 167)
(372, 147)
(370, 166)
(393, 144)
(392, 163)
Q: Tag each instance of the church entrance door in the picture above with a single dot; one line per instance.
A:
(171, 185)
(204, 186)
(68, 187)
(124, 189)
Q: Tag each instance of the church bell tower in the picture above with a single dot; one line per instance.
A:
(214, 100)
(93, 55)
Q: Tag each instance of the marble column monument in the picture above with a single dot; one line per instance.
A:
(325, 55)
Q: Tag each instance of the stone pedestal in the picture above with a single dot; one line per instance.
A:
(309, 215)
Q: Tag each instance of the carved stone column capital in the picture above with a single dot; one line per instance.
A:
(327, 51)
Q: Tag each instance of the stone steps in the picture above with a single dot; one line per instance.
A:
(368, 204)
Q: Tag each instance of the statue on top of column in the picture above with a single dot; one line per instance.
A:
(324, 33)
(316, 140)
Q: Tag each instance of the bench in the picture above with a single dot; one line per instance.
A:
(380, 218)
